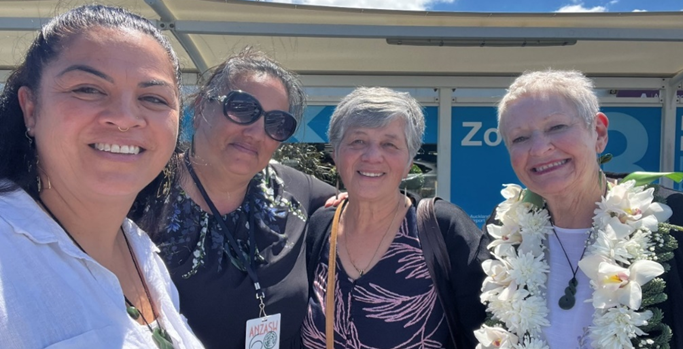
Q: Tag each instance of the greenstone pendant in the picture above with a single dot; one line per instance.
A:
(568, 300)
(162, 339)
(133, 312)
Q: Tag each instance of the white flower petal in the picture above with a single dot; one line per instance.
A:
(494, 337)
(589, 265)
(661, 211)
(644, 271)
(631, 294)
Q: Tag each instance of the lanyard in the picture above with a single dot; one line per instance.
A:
(260, 295)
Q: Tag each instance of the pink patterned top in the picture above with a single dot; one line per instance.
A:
(394, 305)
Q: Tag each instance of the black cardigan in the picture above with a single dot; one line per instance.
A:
(673, 306)
(466, 246)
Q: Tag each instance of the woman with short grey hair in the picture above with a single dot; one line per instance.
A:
(383, 283)
(583, 259)
(375, 107)
(572, 85)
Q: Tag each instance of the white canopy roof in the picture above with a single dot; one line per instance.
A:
(334, 41)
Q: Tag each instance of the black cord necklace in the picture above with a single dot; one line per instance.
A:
(567, 301)
(159, 335)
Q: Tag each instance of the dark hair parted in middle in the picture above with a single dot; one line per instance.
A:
(18, 161)
(250, 62)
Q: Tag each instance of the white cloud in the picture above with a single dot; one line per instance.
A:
(411, 5)
(614, 2)
(580, 8)
(637, 10)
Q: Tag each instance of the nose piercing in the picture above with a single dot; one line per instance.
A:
(123, 129)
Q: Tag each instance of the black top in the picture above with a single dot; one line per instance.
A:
(216, 294)
(466, 247)
(673, 306)
(396, 296)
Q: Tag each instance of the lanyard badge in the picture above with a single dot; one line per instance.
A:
(262, 332)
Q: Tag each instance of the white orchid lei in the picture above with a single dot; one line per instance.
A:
(626, 253)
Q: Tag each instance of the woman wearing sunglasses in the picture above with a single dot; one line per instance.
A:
(230, 225)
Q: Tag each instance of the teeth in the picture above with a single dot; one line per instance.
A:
(545, 167)
(369, 174)
(118, 149)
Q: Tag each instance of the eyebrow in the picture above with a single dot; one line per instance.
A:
(388, 135)
(87, 69)
(152, 83)
(93, 71)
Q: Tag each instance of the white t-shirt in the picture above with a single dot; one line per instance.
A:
(52, 295)
(568, 328)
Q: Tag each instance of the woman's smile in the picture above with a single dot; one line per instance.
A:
(117, 148)
(548, 167)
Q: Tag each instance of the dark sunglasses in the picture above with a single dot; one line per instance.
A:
(244, 109)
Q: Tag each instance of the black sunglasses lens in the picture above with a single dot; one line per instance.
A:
(279, 125)
(241, 108)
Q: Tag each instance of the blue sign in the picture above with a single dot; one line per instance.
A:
(480, 164)
(432, 125)
(313, 128)
(634, 138)
(678, 152)
(316, 119)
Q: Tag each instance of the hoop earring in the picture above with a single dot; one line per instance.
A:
(167, 181)
(30, 139)
(405, 197)
(40, 182)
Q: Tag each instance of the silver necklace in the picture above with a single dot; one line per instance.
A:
(362, 271)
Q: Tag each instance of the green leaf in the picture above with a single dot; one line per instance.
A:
(656, 299)
(533, 198)
(643, 178)
(654, 287)
(654, 321)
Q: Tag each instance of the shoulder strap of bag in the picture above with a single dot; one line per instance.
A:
(435, 253)
(431, 237)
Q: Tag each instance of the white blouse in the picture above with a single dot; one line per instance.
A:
(52, 295)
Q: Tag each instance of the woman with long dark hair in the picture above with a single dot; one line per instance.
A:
(89, 118)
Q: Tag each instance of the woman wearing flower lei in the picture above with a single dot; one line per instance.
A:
(581, 260)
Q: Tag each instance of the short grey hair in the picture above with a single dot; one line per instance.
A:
(375, 107)
(572, 85)
(245, 64)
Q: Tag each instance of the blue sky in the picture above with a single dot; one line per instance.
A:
(504, 5)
